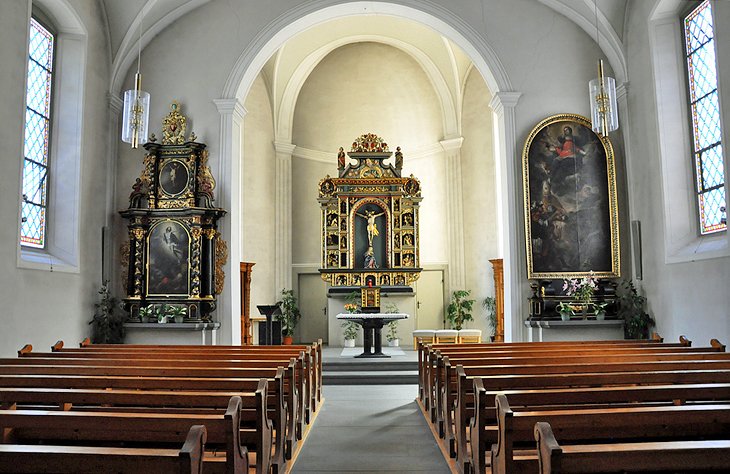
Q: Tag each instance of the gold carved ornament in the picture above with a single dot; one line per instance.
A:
(206, 182)
(369, 142)
(136, 233)
(124, 261)
(173, 126)
(221, 257)
(175, 203)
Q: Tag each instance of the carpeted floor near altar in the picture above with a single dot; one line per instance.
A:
(363, 429)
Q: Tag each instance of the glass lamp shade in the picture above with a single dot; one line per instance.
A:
(604, 109)
(135, 118)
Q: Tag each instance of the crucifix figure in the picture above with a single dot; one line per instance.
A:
(372, 226)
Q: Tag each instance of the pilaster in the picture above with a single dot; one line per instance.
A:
(509, 208)
(455, 218)
(229, 196)
(114, 114)
(283, 216)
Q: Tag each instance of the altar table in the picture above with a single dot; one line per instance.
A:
(372, 324)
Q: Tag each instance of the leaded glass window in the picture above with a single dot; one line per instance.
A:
(705, 115)
(37, 135)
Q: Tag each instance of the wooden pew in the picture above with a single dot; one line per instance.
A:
(26, 459)
(148, 429)
(431, 367)
(615, 424)
(666, 456)
(284, 403)
(308, 369)
(483, 425)
(452, 394)
(314, 349)
(140, 383)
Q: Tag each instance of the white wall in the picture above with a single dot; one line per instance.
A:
(41, 307)
(689, 298)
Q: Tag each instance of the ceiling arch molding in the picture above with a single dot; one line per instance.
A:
(285, 115)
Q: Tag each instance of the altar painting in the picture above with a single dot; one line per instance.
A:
(169, 244)
(571, 214)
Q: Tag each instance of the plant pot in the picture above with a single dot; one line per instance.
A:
(394, 343)
(600, 316)
(349, 342)
(179, 319)
(287, 340)
(162, 320)
(565, 316)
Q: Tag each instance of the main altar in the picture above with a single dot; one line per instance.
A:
(369, 224)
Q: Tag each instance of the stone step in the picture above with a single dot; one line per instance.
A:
(373, 365)
(369, 377)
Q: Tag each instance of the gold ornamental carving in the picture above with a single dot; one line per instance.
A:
(209, 233)
(136, 233)
(196, 232)
(221, 257)
(173, 126)
(175, 203)
(124, 260)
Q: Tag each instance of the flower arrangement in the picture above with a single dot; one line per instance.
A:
(582, 291)
(351, 308)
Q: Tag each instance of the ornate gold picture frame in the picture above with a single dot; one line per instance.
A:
(570, 203)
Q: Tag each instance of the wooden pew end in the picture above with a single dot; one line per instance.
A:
(547, 447)
(25, 350)
(57, 346)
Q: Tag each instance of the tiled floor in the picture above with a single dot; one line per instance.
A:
(363, 429)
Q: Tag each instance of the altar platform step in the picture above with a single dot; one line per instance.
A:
(341, 367)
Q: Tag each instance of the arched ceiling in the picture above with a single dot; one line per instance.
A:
(125, 17)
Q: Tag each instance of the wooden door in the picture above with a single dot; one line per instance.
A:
(430, 300)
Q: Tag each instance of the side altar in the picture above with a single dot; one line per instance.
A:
(172, 262)
(369, 227)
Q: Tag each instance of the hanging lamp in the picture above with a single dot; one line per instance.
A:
(602, 90)
(135, 117)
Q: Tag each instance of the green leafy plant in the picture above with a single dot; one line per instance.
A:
(392, 334)
(107, 325)
(178, 312)
(459, 310)
(146, 312)
(350, 329)
(353, 298)
(637, 321)
(490, 305)
(290, 315)
(161, 312)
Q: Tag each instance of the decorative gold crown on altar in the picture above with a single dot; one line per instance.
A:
(369, 142)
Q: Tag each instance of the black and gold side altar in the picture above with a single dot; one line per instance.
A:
(175, 253)
(370, 219)
(547, 294)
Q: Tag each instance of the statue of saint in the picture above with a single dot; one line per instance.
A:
(370, 216)
(398, 159)
(341, 159)
(369, 256)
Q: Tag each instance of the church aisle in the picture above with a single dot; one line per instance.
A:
(364, 429)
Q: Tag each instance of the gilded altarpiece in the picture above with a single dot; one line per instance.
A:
(175, 253)
(370, 218)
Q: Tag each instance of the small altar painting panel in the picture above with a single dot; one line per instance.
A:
(174, 177)
(571, 212)
(169, 248)
(371, 228)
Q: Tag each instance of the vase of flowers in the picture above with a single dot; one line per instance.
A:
(582, 291)
(350, 308)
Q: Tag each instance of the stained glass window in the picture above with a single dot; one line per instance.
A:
(705, 111)
(37, 131)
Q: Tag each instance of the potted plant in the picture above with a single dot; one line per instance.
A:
(632, 310)
(490, 304)
(565, 310)
(459, 310)
(350, 330)
(161, 311)
(289, 316)
(392, 334)
(582, 291)
(107, 325)
(147, 314)
(178, 313)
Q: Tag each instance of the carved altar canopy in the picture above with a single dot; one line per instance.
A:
(369, 218)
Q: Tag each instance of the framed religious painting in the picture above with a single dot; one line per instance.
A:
(570, 204)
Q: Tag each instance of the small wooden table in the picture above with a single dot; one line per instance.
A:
(372, 324)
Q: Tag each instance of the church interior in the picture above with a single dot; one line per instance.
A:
(433, 132)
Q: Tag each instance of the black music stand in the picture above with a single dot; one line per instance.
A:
(269, 310)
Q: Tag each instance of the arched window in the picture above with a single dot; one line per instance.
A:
(38, 109)
(704, 108)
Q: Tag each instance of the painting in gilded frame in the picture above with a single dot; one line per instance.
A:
(169, 249)
(571, 210)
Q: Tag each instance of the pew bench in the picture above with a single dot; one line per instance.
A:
(667, 456)
(601, 426)
(36, 459)
(225, 431)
